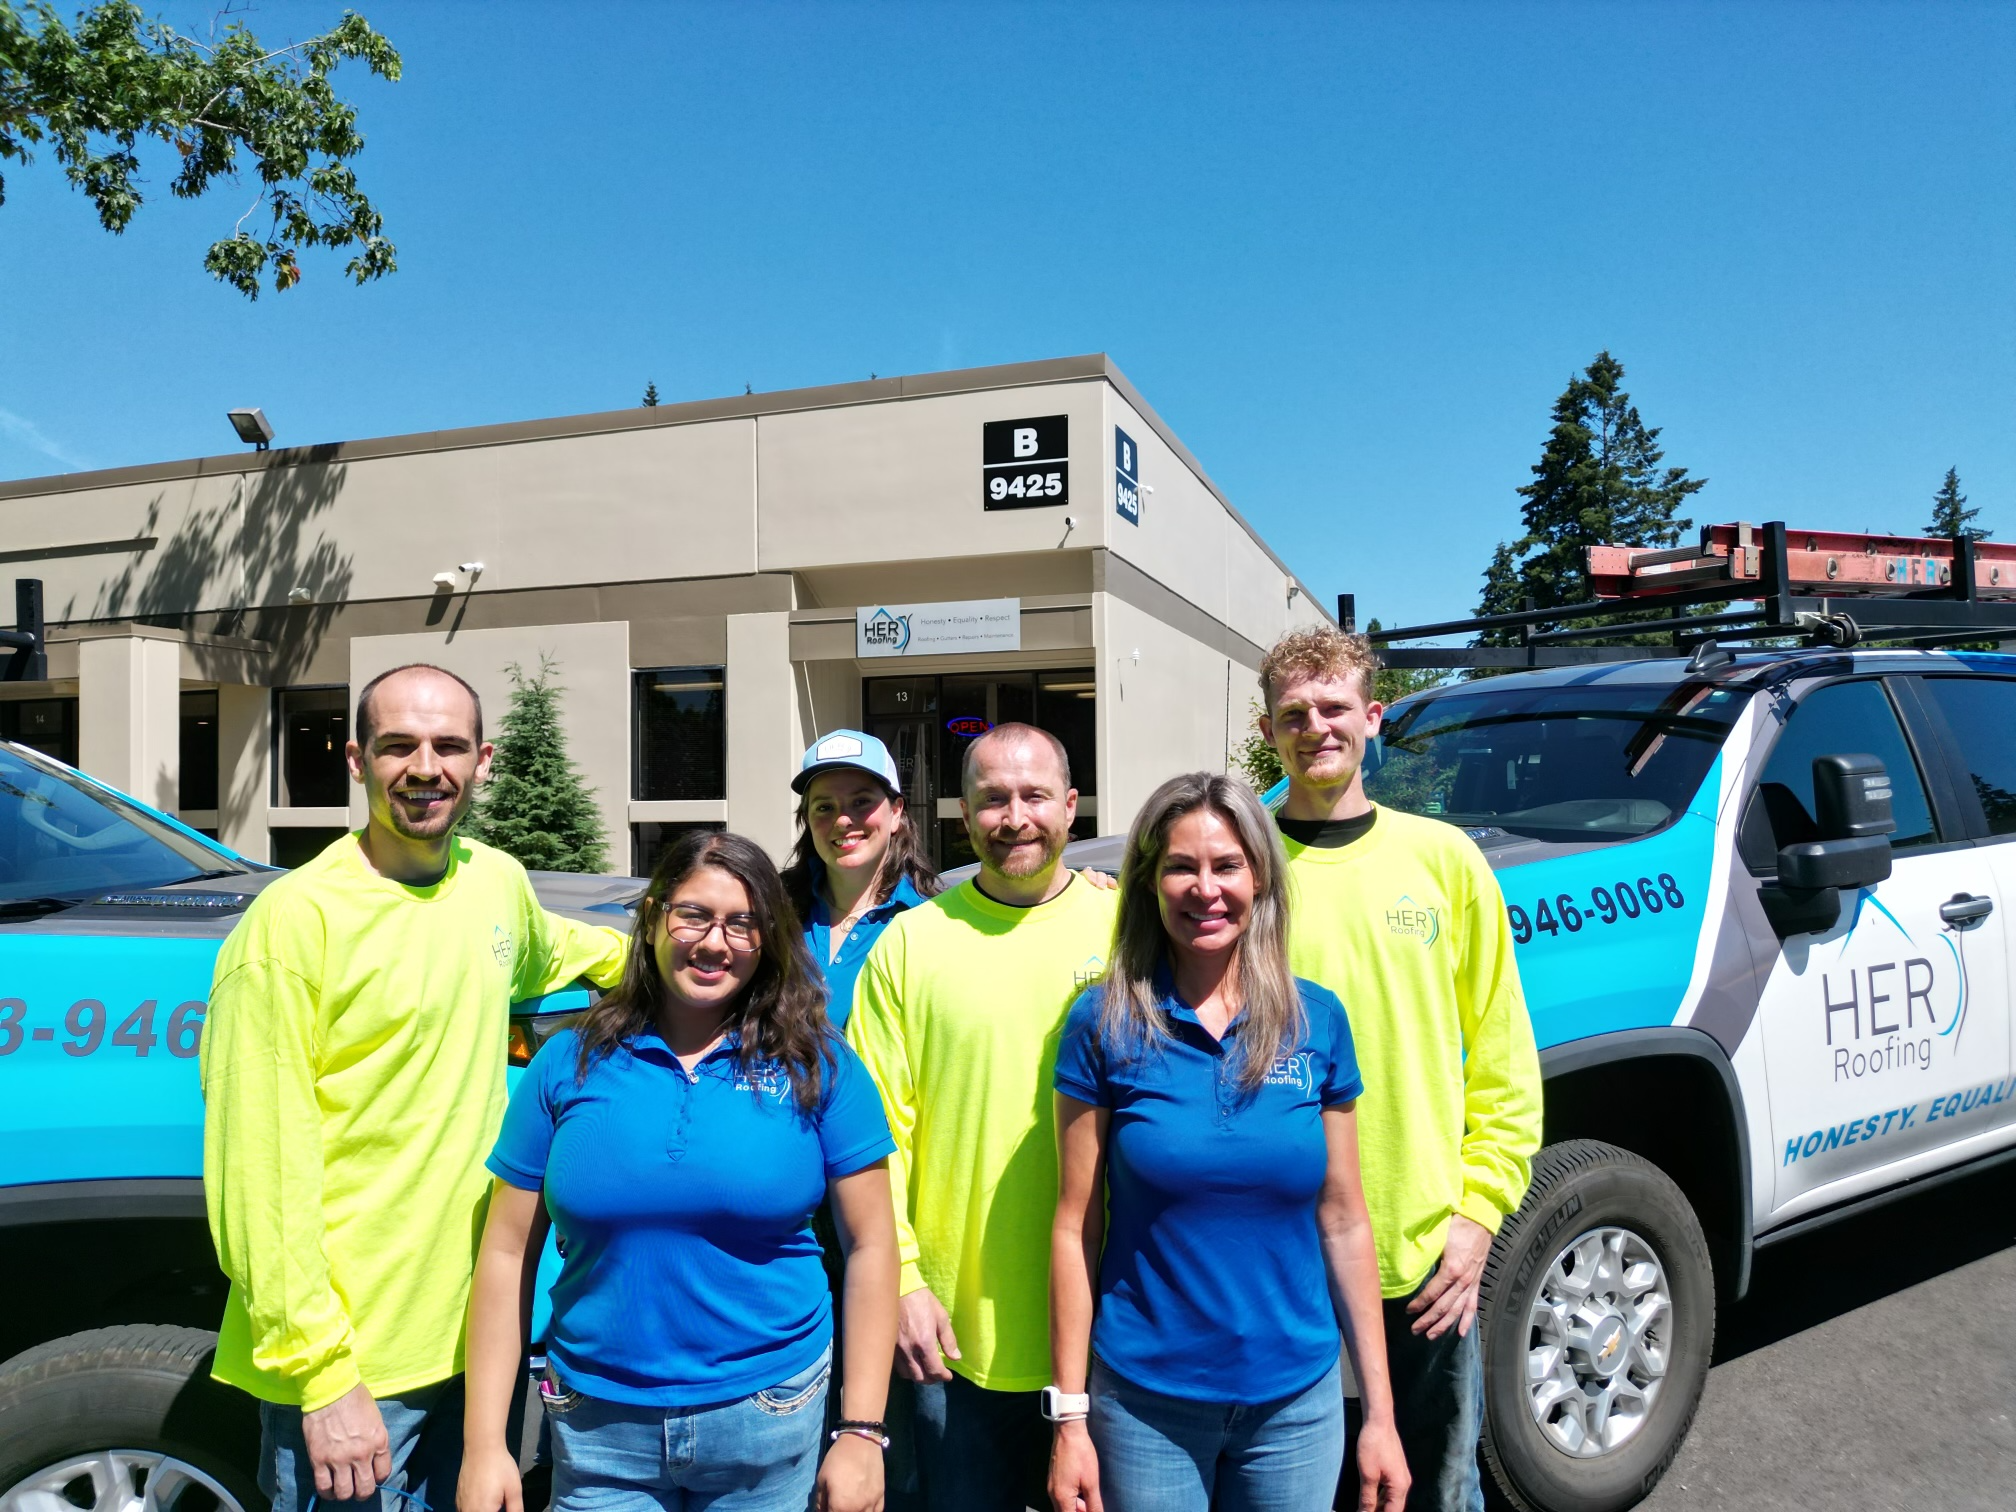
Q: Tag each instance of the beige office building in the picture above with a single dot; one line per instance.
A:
(714, 584)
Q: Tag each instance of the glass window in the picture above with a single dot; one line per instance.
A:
(1982, 714)
(1839, 719)
(1066, 706)
(1551, 762)
(681, 734)
(199, 751)
(311, 726)
(63, 837)
(650, 841)
(48, 725)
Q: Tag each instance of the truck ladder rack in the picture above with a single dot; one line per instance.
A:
(1822, 588)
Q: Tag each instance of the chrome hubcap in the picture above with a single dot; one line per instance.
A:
(1596, 1342)
(119, 1480)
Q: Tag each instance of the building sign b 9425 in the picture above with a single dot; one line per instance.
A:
(1025, 464)
(938, 629)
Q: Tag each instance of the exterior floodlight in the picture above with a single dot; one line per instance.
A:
(251, 425)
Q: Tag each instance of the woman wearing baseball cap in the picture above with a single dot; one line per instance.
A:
(859, 860)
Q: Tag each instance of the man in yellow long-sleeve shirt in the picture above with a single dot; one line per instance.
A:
(957, 1015)
(1401, 917)
(353, 1081)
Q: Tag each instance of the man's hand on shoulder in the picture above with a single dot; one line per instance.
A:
(347, 1446)
(923, 1334)
(1451, 1293)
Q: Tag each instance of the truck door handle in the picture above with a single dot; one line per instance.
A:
(1963, 909)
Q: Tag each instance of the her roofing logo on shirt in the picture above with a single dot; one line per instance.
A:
(500, 944)
(767, 1078)
(1093, 969)
(1410, 919)
(1297, 1071)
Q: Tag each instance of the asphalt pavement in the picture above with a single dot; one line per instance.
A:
(1872, 1366)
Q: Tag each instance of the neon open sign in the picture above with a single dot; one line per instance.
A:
(971, 726)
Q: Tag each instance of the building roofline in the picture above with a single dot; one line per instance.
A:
(1092, 366)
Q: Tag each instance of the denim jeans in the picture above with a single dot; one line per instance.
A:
(425, 1430)
(758, 1454)
(1438, 1406)
(1170, 1454)
(980, 1450)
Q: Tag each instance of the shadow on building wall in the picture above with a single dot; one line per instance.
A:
(230, 569)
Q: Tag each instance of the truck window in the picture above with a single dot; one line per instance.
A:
(62, 837)
(1982, 714)
(1842, 717)
(1554, 763)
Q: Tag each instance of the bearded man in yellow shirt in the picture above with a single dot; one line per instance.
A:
(957, 1015)
(1401, 917)
(353, 1082)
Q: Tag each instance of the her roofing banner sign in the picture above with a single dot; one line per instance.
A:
(938, 629)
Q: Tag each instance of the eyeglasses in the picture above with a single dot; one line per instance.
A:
(690, 926)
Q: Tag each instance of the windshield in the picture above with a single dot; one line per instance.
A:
(61, 837)
(1554, 763)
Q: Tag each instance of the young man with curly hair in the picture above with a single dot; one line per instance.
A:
(1402, 918)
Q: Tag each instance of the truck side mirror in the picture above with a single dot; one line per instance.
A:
(1851, 801)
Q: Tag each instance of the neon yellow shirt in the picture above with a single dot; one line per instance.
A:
(353, 1082)
(1407, 926)
(957, 1015)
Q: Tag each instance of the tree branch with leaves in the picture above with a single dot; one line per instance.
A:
(95, 91)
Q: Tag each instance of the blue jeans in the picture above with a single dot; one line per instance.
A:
(1438, 1406)
(1169, 1454)
(758, 1454)
(980, 1450)
(425, 1430)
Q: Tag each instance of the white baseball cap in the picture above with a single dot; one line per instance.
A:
(851, 749)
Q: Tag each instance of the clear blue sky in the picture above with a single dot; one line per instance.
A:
(1351, 253)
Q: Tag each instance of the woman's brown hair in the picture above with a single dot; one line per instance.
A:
(905, 858)
(781, 1014)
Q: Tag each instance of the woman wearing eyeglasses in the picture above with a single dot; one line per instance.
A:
(680, 1137)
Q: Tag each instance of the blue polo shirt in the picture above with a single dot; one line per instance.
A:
(1212, 1285)
(683, 1207)
(841, 974)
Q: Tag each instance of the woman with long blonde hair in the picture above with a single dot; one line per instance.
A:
(1211, 1242)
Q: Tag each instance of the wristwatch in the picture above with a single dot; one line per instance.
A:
(1065, 1406)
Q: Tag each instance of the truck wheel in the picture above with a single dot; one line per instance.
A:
(125, 1420)
(1599, 1308)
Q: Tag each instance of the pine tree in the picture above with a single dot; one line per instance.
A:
(536, 806)
(1598, 481)
(651, 394)
(1950, 515)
